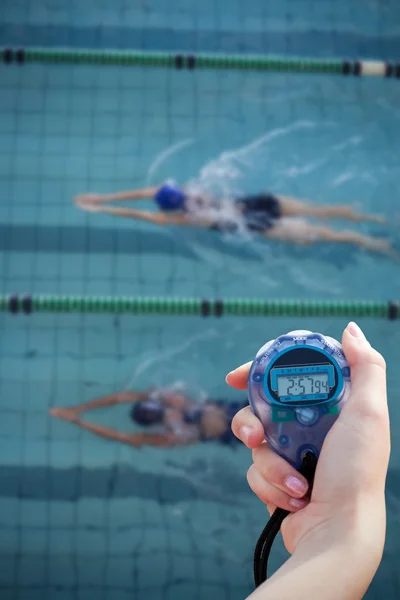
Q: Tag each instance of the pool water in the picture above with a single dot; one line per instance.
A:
(297, 27)
(66, 130)
(82, 518)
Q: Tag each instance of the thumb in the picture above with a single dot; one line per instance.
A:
(368, 376)
(355, 453)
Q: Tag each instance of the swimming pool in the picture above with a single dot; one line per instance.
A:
(296, 27)
(80, 518)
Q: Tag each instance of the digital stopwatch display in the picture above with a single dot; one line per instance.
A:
(294, 384)
(301, 376)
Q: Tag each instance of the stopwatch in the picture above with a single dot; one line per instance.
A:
(298, 384)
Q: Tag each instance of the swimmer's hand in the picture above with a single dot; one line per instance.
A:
(87, 200)
(66, 414)
(346, 510)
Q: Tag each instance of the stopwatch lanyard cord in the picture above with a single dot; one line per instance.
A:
(270, 531)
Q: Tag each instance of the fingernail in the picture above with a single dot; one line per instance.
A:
(298, 503)
(245, 433)
(354, 330)
(227, 377)
(295, 485)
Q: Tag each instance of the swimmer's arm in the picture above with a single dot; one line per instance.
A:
(143, 194)
(160, 440)
(133, 213)
(110, 400)
(157, 218)
(137, 440)
(99, 430)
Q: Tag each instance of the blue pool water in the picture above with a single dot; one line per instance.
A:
(69, 129)
(304, 27)
(81, 518)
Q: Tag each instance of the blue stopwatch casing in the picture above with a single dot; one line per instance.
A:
(297, 387)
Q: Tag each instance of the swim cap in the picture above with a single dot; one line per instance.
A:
(170, 197)
(147, 412)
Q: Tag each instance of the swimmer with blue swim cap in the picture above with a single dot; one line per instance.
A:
(173, 419)
(274, 217)
(170, 197)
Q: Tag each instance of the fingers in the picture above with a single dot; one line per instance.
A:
(89, 206)
(271, 477)
(271, 495)
(238, 378)
(248, 428)
(81, 201)
(88, 202)
(278, 472)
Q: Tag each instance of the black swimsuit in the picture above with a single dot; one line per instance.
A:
(260, 213)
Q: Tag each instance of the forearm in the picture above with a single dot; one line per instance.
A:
(329, 575)
(135, 439)
(142, 194)
(110, 400)
(158, 218)
(133, 213)
(328, 569)
(104, 432)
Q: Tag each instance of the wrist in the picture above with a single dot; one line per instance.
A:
(353, 539)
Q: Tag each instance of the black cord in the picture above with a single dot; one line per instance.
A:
(270, 531)
(264, 544)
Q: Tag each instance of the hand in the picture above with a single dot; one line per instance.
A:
(89, 207)
(66, 414)
(347, 501)
(89, 198)
(90, 202)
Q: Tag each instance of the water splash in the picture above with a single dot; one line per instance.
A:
(226, 174)
(164, 156)
(157, 366)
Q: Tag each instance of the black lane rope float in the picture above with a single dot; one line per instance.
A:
(204, 307)
(178, 61)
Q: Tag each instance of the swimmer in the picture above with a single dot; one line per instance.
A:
(177, 419)
(280, 218)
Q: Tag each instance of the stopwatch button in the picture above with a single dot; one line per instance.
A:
(307, 415)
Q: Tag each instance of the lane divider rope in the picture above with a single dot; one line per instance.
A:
(204, 307)
(200, 61)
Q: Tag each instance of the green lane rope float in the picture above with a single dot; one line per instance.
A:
(200, 61)
(203, 307)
